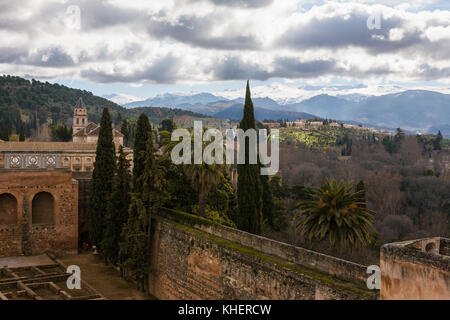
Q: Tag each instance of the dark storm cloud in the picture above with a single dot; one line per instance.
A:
(425, 71)
(196, 31)
(12, 55)
(164, 70)
(50, 57)
(233, 68)
(341, 32)
(292, 68)
(98, 14)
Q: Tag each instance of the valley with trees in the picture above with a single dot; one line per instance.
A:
(404, 177)
(341, 191)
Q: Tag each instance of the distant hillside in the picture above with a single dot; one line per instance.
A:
(33, 102)
(413, 110)
(236, 110)
(28, 100)
(172, 100)
(219, 107)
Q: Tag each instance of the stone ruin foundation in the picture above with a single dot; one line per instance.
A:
(46, 281)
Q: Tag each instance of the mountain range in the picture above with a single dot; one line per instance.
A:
(412, 110)
(220, 107)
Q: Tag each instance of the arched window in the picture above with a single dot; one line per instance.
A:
(8, 209)
(43, 209)
(430, 247)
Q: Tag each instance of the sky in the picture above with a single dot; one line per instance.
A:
(287, 48)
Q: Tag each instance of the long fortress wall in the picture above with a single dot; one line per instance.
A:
(191, 258)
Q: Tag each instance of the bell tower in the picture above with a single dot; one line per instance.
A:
(80, 119)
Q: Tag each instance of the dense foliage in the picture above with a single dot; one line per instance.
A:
(143, 132)
(249, 195)
(407, 190)
(102, 180)
(145, 202)
(34, 103)
(335, 212)
(117, 209)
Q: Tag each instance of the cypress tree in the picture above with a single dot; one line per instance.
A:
(143, 131)
(135, 248)
(102, 178)
(5, 133)
(22, 136)
(437, 143)
(124, 130)
(361, 189)
(117, 213)
(133, 253)
(268, 206)
(249, 193)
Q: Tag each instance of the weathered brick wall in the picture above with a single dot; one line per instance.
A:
(27, 238)
(84, 180)
(409, 273)
(191, 263)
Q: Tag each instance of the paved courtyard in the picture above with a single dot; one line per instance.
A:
(44, 278)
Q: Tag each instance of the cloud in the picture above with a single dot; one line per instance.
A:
(293, 68)
(351, 30)
(425, 71)
(241, 3)
(234, 68)
(12, 55)
(218, 40)
(163, 70)
(196, 31)
(50, 57)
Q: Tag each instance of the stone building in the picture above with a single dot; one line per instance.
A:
(29, 166)
(87, 132)
(416, 270)
(38, 211)
(77, 157)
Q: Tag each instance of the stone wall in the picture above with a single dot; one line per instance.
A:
(78, 157)
(26, 237)
(418, 269)
(191, 258)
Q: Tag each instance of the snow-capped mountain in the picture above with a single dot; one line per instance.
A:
(121, 98)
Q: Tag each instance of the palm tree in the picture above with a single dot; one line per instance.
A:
(203, 178)
(336, 212)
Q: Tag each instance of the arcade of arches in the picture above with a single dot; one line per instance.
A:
(8, 209)
(38, 212)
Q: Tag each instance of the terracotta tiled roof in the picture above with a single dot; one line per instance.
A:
(93, 129)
